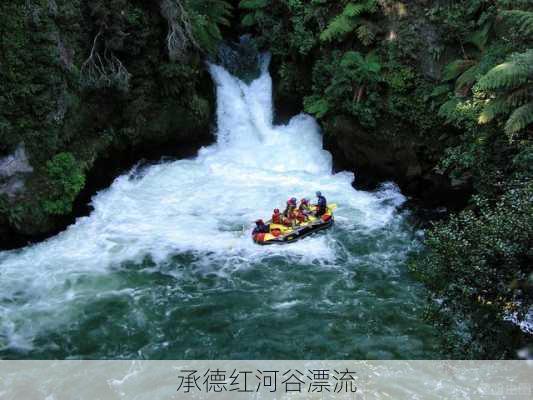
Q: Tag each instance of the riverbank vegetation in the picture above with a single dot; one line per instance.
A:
(455, 75)
(436, 95)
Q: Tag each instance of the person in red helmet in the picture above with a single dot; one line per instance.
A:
(277, 217)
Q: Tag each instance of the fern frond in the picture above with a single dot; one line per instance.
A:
(509, 74)
(519, 96)
(348, 20)
(522, 21)
(519, 119)
(354, 10)
(514, 3)
(440, 90)
(455, 68)
(467, 78)
(339, 27)
(448, 109)
(492, 109)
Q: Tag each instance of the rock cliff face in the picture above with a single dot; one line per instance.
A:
(13, 171)
(375, 159)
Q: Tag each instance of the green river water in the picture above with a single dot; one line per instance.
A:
(164, 267)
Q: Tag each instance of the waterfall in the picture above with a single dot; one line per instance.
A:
(202, 206)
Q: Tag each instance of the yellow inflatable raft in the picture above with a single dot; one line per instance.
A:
(282, 234)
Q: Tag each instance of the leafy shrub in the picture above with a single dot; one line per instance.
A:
(348, 85)
(479, 264)
(14, 213)
(66, 179)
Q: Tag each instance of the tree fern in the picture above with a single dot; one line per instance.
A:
(339, 27)
(509, 89)
(504, 92)
(206, 18)
(519, 119)
(362, 67)
(518, 70)
(493, 109)
(348, 20)
(522, 21)
(464, 72)
(514, 3)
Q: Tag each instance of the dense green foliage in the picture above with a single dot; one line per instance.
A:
(479, 264)
(455, 77)
(351, 20)
(328, 55)
(66, 179)
(88, 78)
(479, 267)
(348, 84)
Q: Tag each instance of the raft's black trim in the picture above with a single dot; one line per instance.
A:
(299, 233)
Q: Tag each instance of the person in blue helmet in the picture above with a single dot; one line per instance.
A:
(321, 205)
(260, 227)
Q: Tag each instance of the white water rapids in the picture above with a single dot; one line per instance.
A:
(204, 205)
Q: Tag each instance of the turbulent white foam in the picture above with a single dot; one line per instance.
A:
(205, 205)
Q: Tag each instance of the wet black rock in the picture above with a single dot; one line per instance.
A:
(241, 58)
(375, 158)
